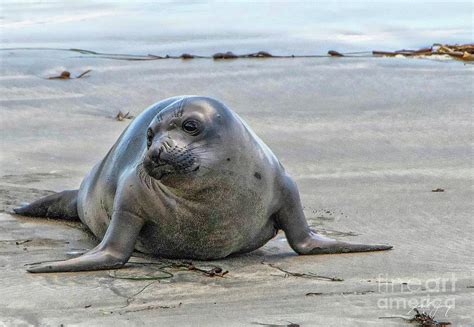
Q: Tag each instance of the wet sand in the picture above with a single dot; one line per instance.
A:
(367, 141)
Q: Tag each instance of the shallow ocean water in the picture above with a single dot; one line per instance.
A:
(205, 27)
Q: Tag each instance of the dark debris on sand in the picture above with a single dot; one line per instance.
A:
(67, 75)
(463, 52)
(422, 319)
(122, 116)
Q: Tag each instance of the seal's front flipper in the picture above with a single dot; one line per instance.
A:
(61, 205)
(318, 244)
(113, 252)
(291, 219)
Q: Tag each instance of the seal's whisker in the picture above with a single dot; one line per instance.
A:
(196, 149)
(207, 145)
(199, 152)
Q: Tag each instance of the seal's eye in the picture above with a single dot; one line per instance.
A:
(191, 127)
(149, 137)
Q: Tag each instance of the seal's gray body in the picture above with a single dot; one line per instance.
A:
(227, 212)
(187, 179)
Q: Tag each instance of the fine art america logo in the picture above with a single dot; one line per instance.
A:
(434, 295)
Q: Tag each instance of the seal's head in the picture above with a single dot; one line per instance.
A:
(182, 138)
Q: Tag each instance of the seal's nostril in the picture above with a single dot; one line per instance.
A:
(155, 156)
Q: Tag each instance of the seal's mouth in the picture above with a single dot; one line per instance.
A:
(157, 171)
(160, 171)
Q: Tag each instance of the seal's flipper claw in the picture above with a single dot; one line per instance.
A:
(40, 267)
(61, 205)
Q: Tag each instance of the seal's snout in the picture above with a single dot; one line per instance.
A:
(168, 158)
(162, 153)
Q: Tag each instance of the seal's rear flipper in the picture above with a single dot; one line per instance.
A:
(61, 205)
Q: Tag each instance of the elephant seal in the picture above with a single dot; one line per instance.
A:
(187, 179)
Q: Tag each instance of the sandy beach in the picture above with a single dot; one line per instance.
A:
(366, 139)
